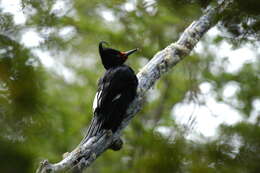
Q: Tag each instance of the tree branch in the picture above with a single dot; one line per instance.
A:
(162, 62)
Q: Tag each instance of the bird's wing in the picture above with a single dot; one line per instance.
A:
(114, 82)
(115, 90)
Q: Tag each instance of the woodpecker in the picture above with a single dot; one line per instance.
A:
(116, 90)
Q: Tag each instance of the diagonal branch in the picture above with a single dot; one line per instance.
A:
(87, 151)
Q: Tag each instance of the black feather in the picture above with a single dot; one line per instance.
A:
(110, 112)
(116, 90)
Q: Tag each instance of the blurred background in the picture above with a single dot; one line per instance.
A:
(202, 117)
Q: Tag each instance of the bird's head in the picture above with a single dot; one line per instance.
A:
(111, 57)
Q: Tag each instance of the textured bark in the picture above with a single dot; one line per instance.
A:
(162, 62)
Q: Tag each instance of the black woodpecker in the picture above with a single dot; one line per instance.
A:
(116, 90)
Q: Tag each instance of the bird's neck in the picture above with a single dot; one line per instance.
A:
(111, 64)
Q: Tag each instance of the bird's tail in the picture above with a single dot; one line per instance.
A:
(94, 128)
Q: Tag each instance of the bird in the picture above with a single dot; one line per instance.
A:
(116, 90)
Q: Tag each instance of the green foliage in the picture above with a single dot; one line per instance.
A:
(14, 159)
(44, 113)
(242, 21)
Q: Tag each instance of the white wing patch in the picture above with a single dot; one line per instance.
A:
(116, 97)
(95, 102)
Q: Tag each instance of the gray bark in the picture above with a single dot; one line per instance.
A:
(87, 152)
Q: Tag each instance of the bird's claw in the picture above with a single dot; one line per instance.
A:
(109, 133)
(117, 144)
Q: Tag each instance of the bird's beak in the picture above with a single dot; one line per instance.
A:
(130, 52)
